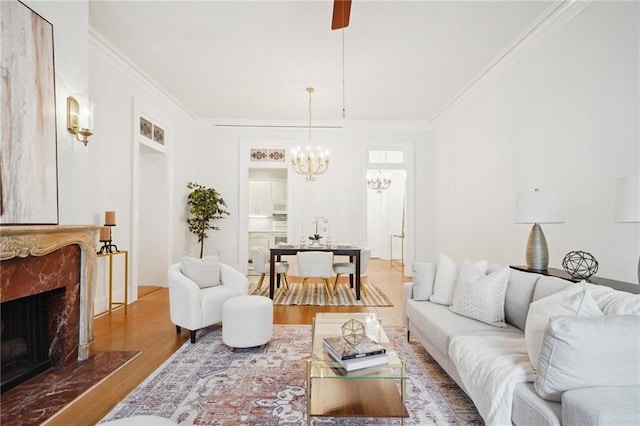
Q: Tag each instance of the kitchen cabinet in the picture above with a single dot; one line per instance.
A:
(279, 192)
(260, 202)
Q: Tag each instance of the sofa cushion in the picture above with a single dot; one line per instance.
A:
(614, 405)
(547, 285)
(574, 300)
(204, 272)
(529, 409)
(423, 277)
(447, 277)
(615, 302)
(439, 324)
(579, 352)
(481, 299)
(519, 296)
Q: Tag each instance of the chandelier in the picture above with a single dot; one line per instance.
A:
(379, 181)
(311, 161)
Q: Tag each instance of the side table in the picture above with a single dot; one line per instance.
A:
(126, 279)
(559, 273)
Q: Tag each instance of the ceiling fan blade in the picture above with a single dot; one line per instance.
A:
(341, 12)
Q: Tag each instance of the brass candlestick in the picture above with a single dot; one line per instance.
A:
(108, 246)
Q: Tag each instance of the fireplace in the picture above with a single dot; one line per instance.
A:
(26, 341)
(47, 286)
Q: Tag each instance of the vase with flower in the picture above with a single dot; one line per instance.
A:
(321, 226)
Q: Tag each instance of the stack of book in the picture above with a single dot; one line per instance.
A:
(366, 354)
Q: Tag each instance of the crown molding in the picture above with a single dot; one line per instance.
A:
(101, 45)
(554, 17)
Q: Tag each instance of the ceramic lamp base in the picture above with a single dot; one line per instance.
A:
(537, 255)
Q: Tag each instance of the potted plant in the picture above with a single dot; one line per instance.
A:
(321, 223)
(205, 205)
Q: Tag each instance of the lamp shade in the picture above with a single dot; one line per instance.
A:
(538, 207)
(628, 199)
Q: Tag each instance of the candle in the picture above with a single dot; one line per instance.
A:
(109, 218)
(105, 233)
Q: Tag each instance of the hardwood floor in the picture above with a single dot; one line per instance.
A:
(146, 327)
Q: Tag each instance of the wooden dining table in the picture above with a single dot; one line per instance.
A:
(276, 254)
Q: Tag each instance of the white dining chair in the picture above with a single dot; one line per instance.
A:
(348, 268)
(260, 260)
(315, 264)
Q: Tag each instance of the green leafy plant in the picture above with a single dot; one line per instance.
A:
(205, 205)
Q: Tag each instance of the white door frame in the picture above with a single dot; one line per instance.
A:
(407, 147)
(140, 109)
(245, 163)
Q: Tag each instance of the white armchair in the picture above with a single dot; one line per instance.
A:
(193, 307)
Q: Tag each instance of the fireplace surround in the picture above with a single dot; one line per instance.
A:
(40, 259)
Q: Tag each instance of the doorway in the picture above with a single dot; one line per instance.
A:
(386, 204)
(267, 209)
(264, 197)
(151, 210)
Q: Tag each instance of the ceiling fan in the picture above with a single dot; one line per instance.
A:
(341, 12)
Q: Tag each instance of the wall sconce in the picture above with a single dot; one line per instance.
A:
(79, 121)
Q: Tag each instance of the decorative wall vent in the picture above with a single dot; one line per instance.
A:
(273, 155)
(151, 131)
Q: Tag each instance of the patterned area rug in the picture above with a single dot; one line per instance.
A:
(206, 384)
(315, 295)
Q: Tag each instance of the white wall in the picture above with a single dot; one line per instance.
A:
(70, 22)
(561, 114)
(339, 194)
(117, 89)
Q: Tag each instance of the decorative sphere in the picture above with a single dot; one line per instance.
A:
(353, 332)
(580, 264)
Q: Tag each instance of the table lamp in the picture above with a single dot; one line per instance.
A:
(538, 207)
(628, 202)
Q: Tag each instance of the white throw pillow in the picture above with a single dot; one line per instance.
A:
(423, 276)
(205, 272)
(575, 300)
(470, 272)
(483, 299)
(584, 352)
(445, 282)
(444, 286)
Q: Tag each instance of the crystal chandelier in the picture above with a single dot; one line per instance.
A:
(311, 161)
(379, 181)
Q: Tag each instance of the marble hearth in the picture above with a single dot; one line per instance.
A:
(38, 259)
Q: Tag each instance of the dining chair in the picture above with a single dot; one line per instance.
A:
(315, 264)
(348, 268)
(260, 259)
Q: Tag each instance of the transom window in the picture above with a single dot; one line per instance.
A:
(386, 157)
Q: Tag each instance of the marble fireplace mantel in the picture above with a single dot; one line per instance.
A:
(28, 241)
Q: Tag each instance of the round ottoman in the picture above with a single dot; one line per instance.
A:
(247, 321)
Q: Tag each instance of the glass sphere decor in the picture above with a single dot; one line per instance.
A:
(353, 332)
(580, 264)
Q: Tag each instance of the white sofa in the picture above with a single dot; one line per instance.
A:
(443, 333)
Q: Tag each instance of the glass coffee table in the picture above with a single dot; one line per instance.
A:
(369, 392)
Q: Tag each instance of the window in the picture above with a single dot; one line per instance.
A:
(386, 157)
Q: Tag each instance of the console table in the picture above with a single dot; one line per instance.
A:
(560, 273)
(126, 279)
